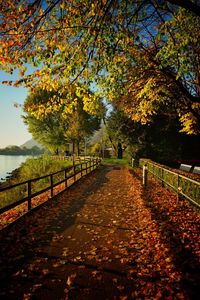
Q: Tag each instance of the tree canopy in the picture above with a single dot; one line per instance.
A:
(142, 55)
(161, 140)
(54, 130)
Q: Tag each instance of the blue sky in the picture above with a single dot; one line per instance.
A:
(12, 129)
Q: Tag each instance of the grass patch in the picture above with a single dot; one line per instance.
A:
(33, 168)
(116, 161)
(37, 167)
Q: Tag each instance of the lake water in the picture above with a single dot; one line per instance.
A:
(8, 163)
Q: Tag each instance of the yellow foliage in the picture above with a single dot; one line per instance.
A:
(189, 123)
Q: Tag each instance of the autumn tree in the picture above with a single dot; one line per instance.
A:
(49, 130)
(67, 124)
(81, 125)
(158, 71)
(141, 54)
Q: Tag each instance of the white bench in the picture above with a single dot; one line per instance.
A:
(196, 170)
(184, 167)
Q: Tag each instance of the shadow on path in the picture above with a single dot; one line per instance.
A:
(19, 244)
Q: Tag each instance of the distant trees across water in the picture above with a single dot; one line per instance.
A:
(15, 150)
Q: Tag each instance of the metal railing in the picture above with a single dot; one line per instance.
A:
(27, 190)
(182, 185)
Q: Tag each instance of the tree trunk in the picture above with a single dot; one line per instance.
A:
(110, 139)
(73, 152)
(119, 151)
(78, 148)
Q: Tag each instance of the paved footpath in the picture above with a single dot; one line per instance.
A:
(104, 238)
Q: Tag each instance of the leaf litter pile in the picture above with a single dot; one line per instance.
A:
(104, 238)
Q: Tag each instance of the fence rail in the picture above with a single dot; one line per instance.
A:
(29, 189)
(70, 157)
(182, 185)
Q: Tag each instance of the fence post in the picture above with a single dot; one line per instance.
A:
(162, 176)
(65, 178)
(90, 165)
(29, 195)
(74, 170)
(81, 169)
(178, 187)
(86, 167)
(51, 181)
(132, 162)
(144, 175)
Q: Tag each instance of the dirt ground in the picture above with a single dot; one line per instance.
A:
(106, 237)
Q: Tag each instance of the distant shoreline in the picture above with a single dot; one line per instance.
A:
(9, 178)
(24, 152)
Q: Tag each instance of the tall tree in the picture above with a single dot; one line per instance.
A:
(56, 129)
(152, 47)
(159, 71)
(81, 125)
(49, 130)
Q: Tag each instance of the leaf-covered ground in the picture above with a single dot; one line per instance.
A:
(104, 238)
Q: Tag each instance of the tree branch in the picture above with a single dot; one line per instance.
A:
(188, 5)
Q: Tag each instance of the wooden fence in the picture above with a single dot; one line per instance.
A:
(182, 185)
(75, 158)
(27, 190)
